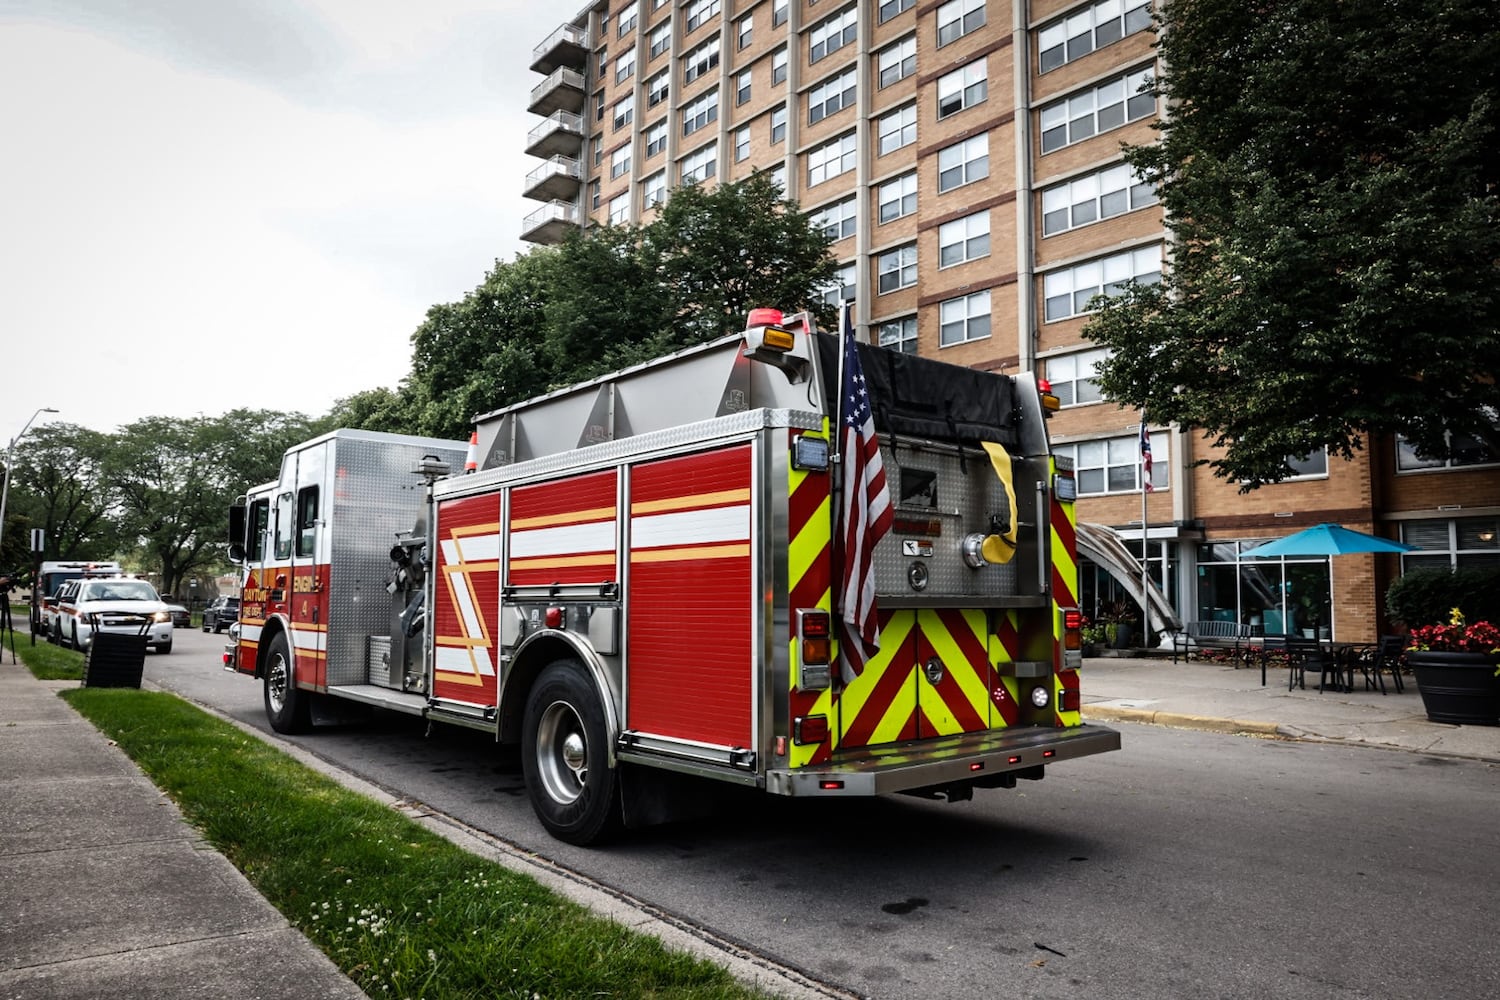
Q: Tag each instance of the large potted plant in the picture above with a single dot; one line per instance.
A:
(1118, 618)
(1457, 669)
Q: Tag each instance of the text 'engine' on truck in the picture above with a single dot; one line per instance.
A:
(643, 580)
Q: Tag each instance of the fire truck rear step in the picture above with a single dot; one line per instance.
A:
(972, 757)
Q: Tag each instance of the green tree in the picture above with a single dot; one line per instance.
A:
(742, 245)
(382, 409)
(58, 485)
(482, 352)
(1330, 173)
(174, 480)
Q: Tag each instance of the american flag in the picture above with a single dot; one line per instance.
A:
(1146, 455)
(866, 512)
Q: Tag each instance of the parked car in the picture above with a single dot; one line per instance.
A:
(181, 616)
(221, 613)
(119, 605)
(52, 613)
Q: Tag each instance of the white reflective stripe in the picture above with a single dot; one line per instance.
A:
(461, 660)
(303, 638)
(450, 551)
(250, 633)
(566, 540)
(691, 527)
(458, 586)
(476, 548)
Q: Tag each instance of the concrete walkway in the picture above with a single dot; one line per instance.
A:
(105, 891)
(1218, 697)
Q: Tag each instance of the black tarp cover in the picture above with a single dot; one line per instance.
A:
(918, 397)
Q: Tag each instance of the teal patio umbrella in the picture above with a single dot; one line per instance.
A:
(1326, 540)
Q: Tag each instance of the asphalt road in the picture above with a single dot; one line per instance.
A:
(1186, 865)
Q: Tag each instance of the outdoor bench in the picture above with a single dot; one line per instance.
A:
(1210, 635)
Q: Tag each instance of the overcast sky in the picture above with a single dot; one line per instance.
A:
(212, 204)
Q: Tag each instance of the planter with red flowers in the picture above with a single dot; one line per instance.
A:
(1457, 669)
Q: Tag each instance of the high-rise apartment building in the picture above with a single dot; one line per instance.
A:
(965, 157)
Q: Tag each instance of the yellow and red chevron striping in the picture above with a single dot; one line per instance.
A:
(809, 550)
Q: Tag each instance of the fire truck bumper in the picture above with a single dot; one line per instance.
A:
(988, 758)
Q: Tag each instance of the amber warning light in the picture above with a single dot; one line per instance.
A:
(1050, 401)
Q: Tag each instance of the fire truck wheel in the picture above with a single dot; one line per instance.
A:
(286, 707)
(564, 754)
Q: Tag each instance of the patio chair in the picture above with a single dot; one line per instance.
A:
(1309, 654)
(1390, 655)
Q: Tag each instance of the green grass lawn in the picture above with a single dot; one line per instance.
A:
(402, 911)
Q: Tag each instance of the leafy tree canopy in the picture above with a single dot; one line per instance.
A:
(1329, 172)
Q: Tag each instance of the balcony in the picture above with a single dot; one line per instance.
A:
(567, 46)
(560, 134)
(556, 180)
(561, 91)
(550, 223)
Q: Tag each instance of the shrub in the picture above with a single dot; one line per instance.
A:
(1428, 596)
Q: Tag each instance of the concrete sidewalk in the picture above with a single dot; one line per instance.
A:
(1218, 697)
(105, 891)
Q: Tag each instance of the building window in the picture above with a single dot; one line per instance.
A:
(957, 18)
(1098, 109)
(1073, 377)
(837, 221)
(1465, 450)
(742, 144)
(657, 88)
(619, 208)
(624, 112)
(742, 88)
(896, 269)
(603, 63)
(700, 165)
(890, 8)
(654, 190)
(599, 106)
(778, 66)
(656, 139)
(897, 129)
(626, 18)
(1069, 290)
(833, 33)
(1452, 543)
(745, 31)
(963, 163)
(1113, 465)
(831, 159)
(625, 66)
(778, 176)
(597, 144)
(778, 124)
(700, 11)
(594, 195)
(661, 38)
(963, 240)
(964, 319)
(899, 335)
(1094, 27)
(963, 88)
(699, 61)
(1092, 197)
(898, 197)
(842, 288)
(698, 114)
(898, 61)
(778, 13)
(619, 161)
(1313, 465)
(831, 95)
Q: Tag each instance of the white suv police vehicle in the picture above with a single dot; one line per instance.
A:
(117, 604)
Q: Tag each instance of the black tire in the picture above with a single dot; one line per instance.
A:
(205, 625)
(565, 756)
(164, 647)
(287, 708)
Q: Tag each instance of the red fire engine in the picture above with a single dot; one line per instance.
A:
(644, 582)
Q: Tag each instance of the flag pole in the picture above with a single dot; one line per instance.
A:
(1145, 524)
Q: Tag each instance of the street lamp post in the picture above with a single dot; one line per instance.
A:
(10, 450)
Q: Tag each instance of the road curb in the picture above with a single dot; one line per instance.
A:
(1180, 720)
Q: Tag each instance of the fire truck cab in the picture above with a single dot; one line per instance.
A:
(638, 583)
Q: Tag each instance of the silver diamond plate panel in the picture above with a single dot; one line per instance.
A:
(963, 495)
(374, 497)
